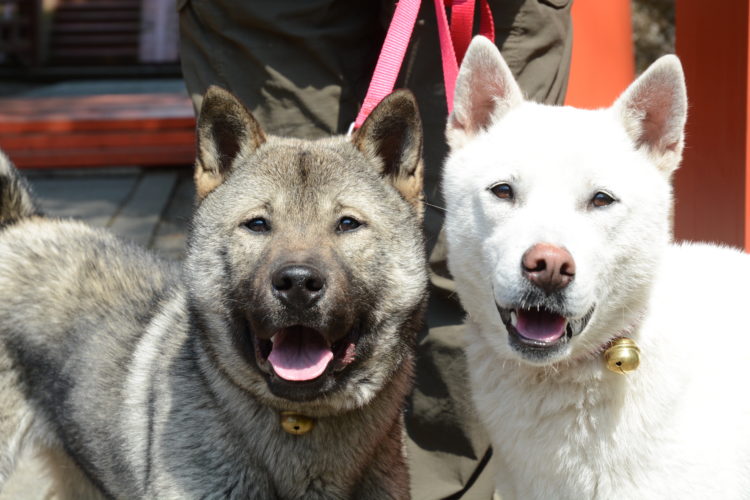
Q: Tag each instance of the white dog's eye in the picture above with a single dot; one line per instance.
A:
(502, 191)
(602, 199)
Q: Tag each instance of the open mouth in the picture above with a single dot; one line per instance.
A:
(301, 354)
(539, 328)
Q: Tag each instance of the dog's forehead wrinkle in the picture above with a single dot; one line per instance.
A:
(313, 179)
(361, 174)
(318, 159)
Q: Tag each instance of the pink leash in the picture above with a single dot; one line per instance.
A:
(391, 57)
(453, 46)
(453, 43)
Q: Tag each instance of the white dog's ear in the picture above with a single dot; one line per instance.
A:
(485, 91)
(653, 110)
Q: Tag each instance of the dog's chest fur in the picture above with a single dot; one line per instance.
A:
(546, 425)
(237, 442)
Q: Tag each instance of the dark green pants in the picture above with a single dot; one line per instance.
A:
(302, 68)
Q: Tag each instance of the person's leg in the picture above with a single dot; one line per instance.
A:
(302, 68)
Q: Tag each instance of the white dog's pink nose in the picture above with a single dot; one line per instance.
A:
(549, 267)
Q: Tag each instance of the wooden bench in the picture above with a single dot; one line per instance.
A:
(98, 130)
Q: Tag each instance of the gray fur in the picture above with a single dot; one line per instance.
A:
(15, 196)
(143, 377)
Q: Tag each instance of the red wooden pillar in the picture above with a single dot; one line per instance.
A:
(602, 64)
(713, 184)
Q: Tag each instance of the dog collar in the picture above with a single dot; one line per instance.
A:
(296, 423)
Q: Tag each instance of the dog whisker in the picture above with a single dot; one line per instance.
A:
(434, 206)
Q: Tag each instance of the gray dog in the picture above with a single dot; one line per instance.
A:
(273, 365)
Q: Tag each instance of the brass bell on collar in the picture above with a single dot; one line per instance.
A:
(623, 356)
(295, 423)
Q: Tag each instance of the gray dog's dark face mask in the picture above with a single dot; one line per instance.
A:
(305, 239)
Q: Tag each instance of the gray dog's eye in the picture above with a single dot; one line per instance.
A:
(602, 199)
(257, 225)
(502, 191)
(347, 224)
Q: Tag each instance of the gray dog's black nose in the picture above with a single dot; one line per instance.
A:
(298, 285)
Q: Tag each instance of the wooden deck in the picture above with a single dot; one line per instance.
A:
(150, 206)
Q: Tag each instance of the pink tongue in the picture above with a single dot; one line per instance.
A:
(299, 354)
(543, 326)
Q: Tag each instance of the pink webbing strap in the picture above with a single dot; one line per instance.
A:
(462, 22)
(454, 40)
(448, 55)
(486, 22)
(391, 57)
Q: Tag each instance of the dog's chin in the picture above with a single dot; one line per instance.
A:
(300, 365)
(539, 335)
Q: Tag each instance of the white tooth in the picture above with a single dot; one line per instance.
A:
(513, 318)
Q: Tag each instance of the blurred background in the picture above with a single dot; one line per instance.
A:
(54, 39)
(78, 38)
(93, 108)
(653, 30)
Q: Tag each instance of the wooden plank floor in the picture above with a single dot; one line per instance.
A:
(148, 206)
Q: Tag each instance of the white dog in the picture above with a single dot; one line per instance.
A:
(558, 225)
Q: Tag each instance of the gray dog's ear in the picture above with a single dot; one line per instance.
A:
(392, 137)
(225, 130)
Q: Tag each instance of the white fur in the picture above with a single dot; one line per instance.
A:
(565, 427)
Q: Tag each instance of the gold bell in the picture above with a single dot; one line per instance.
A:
(623, 356)
(295, 423)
